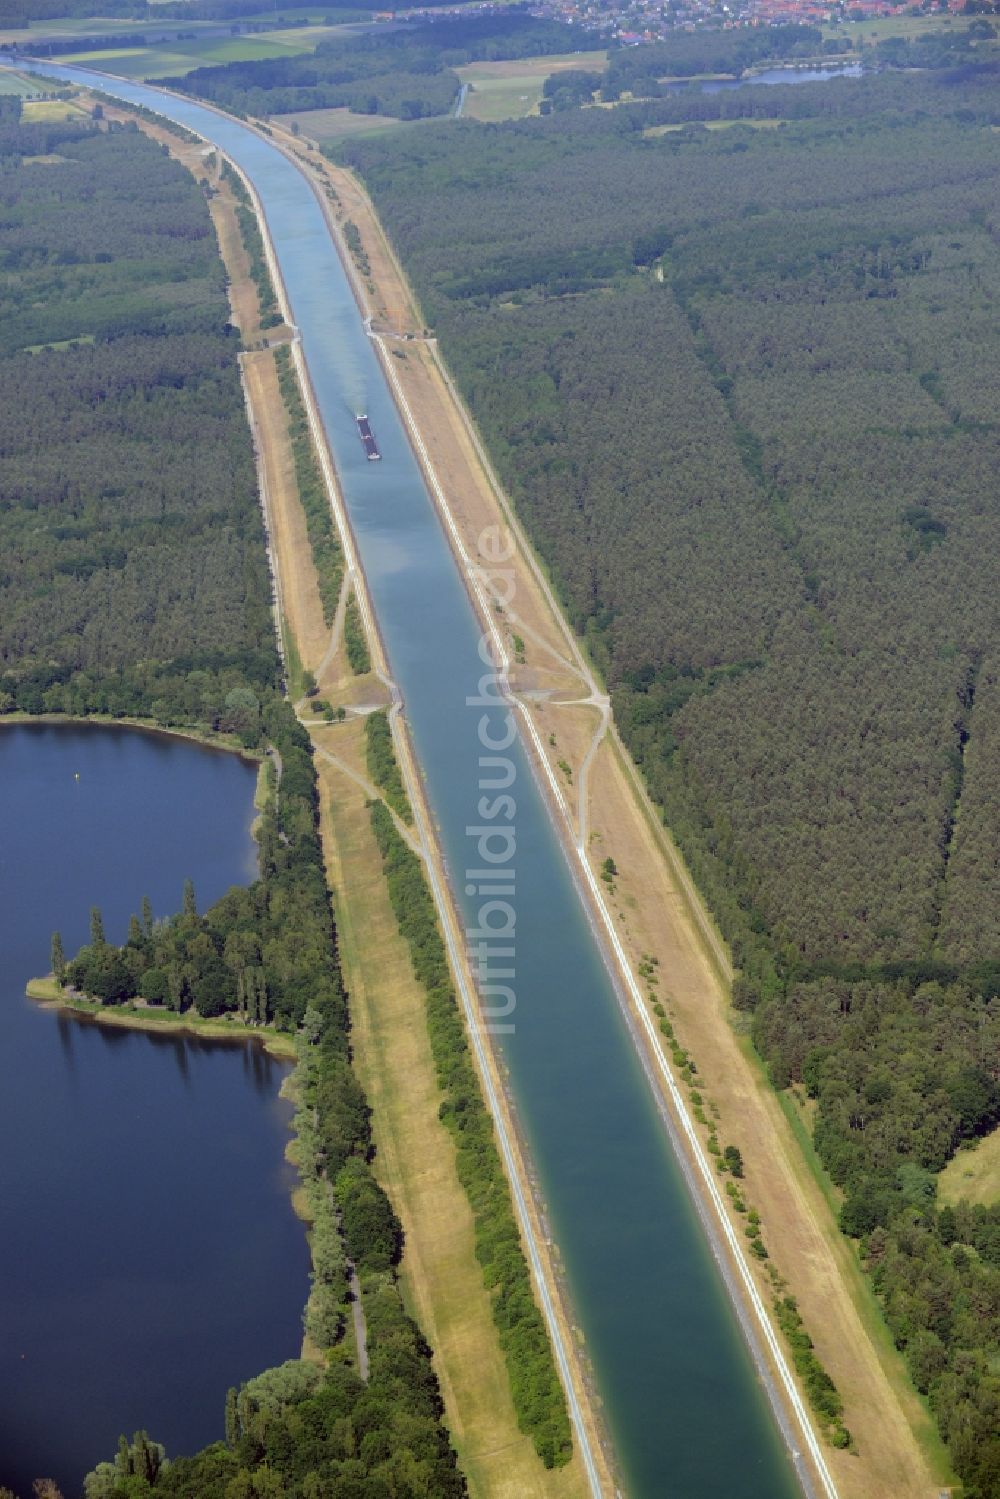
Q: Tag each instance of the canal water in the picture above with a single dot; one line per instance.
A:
(150, 1255)
(684, 1406)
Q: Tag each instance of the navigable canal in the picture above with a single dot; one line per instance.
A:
(150, 1255)
(685, 1409)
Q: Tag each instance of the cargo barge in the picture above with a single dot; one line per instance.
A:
(368, 439)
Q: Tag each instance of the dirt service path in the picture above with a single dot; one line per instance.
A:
(653, 906)
(299, 590)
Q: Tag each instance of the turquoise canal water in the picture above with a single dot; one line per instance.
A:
(150, 1254)
(686, 1412)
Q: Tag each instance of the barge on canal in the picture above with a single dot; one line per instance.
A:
(368, 439)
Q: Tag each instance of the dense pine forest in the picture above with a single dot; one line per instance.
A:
(133, 578)
(742, 387)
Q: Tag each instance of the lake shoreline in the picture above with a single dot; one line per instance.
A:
(46, 992)
(206, 738)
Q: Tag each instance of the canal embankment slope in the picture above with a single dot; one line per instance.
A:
(650, 905)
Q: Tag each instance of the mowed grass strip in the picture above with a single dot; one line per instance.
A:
(415, 1159)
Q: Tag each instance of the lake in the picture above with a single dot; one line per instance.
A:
(768, 78)
(150, 1255)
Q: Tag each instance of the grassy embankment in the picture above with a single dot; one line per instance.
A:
(415, 1158)
(775, 1132)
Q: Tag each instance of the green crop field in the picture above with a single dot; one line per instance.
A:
(16, 83)
(132, 62)
(883, 27)
(66, 27)
(300, 15)
(511, 90)
(181, 57)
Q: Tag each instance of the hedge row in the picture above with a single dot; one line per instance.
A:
(326, 551)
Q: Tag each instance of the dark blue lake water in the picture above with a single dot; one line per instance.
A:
(149, 1255)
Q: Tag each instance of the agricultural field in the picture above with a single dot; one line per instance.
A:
(70, 26)
(880, 28)
(655, 130)
(16, 83)
(308, 15)
(511, 90)
(50, 111)
(181, 57)
(406, 73)
(327, 125)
